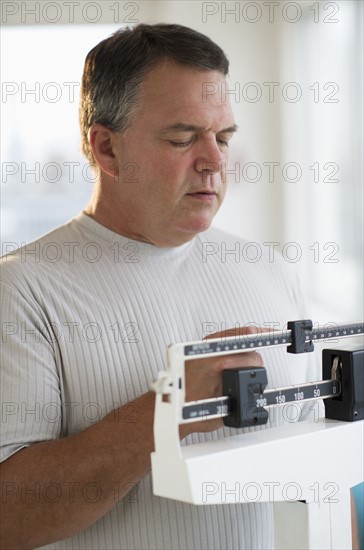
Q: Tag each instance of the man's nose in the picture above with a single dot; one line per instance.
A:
(209, 158)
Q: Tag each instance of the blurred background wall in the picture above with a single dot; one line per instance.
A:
(296, 164)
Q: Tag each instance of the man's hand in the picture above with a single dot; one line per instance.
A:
(204, 376)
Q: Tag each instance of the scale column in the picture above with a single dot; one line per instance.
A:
(313, 525)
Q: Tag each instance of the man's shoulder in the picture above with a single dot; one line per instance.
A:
(45, 252)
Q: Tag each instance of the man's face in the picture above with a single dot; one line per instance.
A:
(171, 160)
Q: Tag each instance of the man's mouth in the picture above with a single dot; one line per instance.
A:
(203, 195)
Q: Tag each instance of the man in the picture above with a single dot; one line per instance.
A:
(91, 307)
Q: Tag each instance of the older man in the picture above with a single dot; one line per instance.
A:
(90, 308)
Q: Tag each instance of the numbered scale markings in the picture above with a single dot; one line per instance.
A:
(257, 341)
(220, 407)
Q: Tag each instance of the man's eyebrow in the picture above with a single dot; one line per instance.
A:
(181, 127)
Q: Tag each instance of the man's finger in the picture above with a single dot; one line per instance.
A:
(238, 331)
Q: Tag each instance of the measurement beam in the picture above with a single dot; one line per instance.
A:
(252, 342)
(207, 409)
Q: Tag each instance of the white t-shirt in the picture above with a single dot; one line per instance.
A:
(87, 316)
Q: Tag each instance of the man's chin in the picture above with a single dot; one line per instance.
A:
(196, 226)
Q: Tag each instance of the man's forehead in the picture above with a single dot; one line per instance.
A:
(171, 99)
(173, 81)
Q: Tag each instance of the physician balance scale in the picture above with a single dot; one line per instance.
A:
(306, 469)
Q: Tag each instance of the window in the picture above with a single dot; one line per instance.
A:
(323, 133)
(45, 178)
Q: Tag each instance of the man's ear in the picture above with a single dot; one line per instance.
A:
(102, 141)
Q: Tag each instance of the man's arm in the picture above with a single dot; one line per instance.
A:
(95, 468)
(91, 471)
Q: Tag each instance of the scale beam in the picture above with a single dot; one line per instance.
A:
(297, 332)
(207, 409)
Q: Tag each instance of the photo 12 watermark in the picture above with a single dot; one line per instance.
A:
(269, 491)
(40, 92)
(127, 13)
(70, 252)
(68, 171)
(68, 492)
(75, 412)
(272, 11)
(253, 252)
(70, 331)
(271, 92)
(274, 171)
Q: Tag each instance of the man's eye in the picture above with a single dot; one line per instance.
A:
(181, 143)
(223, 140)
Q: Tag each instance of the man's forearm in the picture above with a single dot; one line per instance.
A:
(54, 489)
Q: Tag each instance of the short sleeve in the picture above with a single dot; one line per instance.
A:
(29, 383)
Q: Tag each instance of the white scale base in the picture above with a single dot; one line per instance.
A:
(315, 462)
